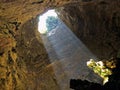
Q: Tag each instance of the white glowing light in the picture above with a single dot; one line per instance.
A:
(42, 21)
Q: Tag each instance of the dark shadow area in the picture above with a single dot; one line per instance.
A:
(113, 84)
(78, 84)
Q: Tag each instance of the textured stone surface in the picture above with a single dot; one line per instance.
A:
(16, 59)
(96, 24)
(12, 73)
(23, 10)
(21, 47)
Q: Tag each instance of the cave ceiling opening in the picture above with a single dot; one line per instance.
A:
(46, 59)
(82, 26)
(43, 24)
(65, 50)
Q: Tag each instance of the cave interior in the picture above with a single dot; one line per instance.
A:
(55, 57)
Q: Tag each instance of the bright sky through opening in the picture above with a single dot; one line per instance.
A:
(42, 21)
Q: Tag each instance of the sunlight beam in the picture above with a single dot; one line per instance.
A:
(67, 54)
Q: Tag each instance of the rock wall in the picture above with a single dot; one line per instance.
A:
(32, 51)
(24, 10)
(12, 72)
(97, 24)
(21, 47)
(17, 55)
(23, 59)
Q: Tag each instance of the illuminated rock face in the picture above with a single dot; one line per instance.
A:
(12, 69)
(18, 35)
(23, 10)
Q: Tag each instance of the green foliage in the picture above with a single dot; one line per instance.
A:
(100, 69)
(51, 23)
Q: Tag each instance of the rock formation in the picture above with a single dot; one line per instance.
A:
(24, 62)
(96, 24)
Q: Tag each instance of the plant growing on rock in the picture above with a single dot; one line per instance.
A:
(100, 68)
